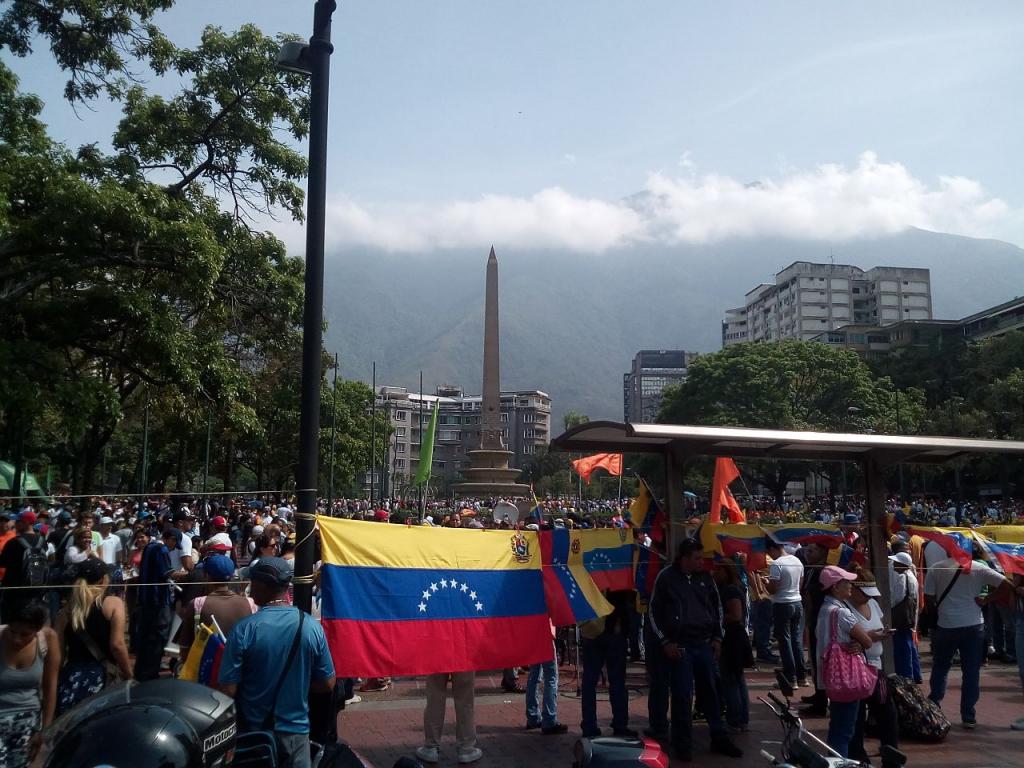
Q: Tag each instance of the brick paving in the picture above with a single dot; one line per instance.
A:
(385, 726)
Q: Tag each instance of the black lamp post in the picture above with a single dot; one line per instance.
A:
(315, 60)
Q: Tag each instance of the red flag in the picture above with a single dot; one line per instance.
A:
(721, 496)
(610, 461)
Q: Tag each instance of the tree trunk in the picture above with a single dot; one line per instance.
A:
(229, 467)
(179, 471)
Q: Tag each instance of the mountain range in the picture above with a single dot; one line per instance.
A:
(572, 322)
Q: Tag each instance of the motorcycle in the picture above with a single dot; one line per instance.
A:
(802, 749)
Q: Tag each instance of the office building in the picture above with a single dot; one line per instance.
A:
(525, 422)
(872, 341)
(642, 387)
(809, 299)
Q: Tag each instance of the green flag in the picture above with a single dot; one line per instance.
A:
(427, 449)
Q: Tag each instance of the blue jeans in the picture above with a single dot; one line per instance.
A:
(970, 641)
(788, 622)
(292, 750)
(657, 684)
(550, 697)
(1004, 630)
(610, 651)
(1020, 646)
(737, 698)
(842, 722)
(906, 659)
(694, 672)
(761, 623)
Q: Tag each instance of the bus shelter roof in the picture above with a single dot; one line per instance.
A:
(682, 440)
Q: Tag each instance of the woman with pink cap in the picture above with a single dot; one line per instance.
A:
(836, 616)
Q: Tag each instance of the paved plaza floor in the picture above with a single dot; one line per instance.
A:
(385, 726)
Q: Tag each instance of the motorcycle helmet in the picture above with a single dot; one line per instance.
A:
(158, 724)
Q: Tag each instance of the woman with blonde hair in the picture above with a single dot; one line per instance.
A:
(91, 628)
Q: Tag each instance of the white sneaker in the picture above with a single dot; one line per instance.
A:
(471, 755)
(356, 698)
(427, 754)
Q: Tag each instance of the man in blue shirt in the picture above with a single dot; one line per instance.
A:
(256, 654)
(152, 624)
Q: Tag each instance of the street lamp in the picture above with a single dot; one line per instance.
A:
(853, 410)
(315, 60)
(899, 431)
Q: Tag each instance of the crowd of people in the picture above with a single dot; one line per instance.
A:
(97, 590)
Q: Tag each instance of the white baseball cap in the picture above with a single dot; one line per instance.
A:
(903, 558)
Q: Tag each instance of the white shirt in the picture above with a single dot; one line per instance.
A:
(110, 549)
(183, 550)
(219, 538)
(933, 553)
(958, 608)
(788, 571)
(901, 582)
(872, 655)
(74, 555)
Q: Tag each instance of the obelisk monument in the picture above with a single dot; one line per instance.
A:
(489, 473)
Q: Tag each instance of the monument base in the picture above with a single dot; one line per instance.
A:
(491, 489)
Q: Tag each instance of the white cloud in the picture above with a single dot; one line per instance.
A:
(830, 202)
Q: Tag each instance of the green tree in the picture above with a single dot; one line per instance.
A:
(573, 419)
(791, 385)
(125, 281)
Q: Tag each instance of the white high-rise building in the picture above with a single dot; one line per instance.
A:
(808, 299)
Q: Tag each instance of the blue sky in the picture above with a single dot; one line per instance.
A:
(536, 119)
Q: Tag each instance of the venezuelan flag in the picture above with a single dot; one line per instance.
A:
(828, 536)
(1008, 554)
(646, 517)
(203, 661)
(729, 540)
(956, 543)
(412, 600)
(608, 557)
(572, 596)
(845, 556)
(209, 664)
(640, 508)
(1013, 534)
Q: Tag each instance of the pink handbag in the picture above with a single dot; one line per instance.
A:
(848, 677)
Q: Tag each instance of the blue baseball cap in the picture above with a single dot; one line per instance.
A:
(218, 568)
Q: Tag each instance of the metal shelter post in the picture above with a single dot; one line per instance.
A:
(878, 543)
(673, 503)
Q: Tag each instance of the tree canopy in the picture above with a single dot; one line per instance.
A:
(138, 280)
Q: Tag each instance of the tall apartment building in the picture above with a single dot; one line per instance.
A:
(808, 299)
(652, 370)
(526, 426)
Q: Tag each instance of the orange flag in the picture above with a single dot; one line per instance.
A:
(610, 461)
(721, 496)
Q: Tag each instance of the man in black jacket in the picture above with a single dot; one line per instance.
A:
(686, 620)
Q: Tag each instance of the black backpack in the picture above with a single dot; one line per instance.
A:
(35, 567)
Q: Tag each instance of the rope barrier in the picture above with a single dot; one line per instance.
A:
(153, 495)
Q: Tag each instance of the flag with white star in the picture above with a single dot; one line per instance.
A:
(401, 600)
(571, 593)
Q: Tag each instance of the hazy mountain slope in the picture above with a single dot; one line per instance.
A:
(571, 323)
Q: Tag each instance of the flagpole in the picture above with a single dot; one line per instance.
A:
(419, 504)
(373, 430)
(334, 437)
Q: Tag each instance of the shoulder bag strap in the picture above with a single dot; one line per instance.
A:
(268, 721)
(959, 570)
